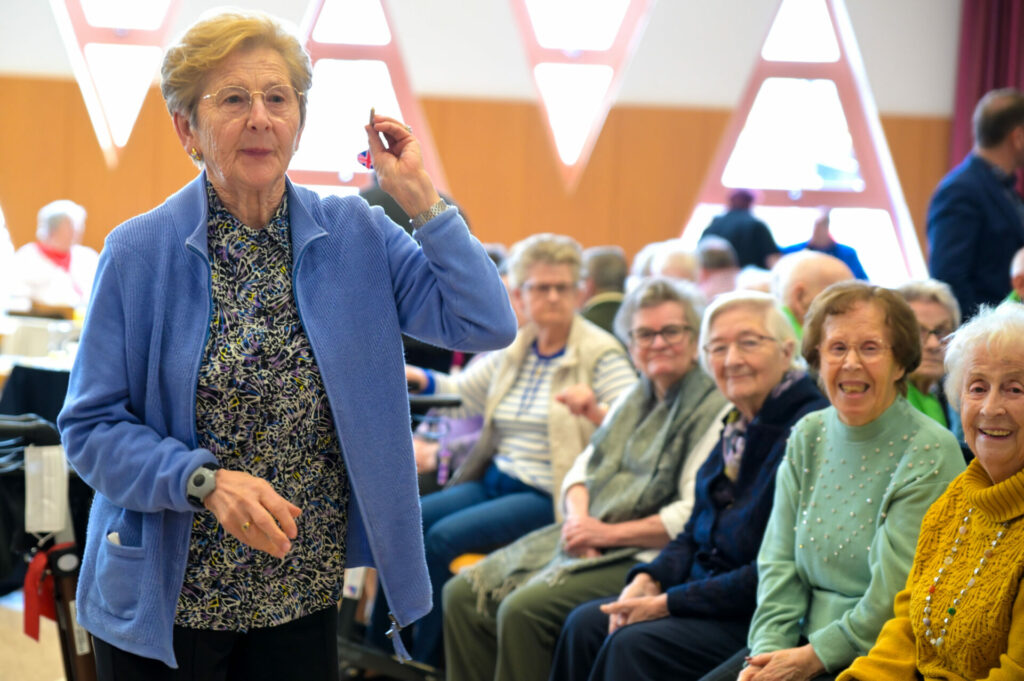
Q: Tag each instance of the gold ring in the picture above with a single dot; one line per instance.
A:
(246, 525)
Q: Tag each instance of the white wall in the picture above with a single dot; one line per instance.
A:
(694, 52)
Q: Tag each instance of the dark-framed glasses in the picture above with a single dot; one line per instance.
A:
(235, 100)
(746, 344)
(941, 333)
(672, 334)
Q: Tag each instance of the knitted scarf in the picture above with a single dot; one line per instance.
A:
(638, 453)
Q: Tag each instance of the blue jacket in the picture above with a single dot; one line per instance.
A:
(974, 228)
(129, 425)
(710, 568)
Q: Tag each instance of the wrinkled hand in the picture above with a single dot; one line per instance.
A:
(425, 452)
(791, 664)
(581, 401)
(583, 533)
(641, 586)
(632, 610)
(240, 498)
(399, 166)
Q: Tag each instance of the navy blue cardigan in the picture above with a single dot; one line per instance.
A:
(129, 424)
(710, 568)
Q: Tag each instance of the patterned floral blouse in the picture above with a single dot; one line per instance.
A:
(261, 408)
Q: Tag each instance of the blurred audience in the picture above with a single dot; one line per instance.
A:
(718, 267)
(750, 238)
(798, 278)
(1017, 277)
(938, 316)
(604, 280)
(821, 241)
(55, 269)
(672, 259)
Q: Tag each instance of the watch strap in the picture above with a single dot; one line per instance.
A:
(201, 482)
(429, 214)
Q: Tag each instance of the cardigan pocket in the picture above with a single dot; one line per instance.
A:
(119, 571)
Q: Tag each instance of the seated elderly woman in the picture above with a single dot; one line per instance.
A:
(688, 608)
(630, 489)
(857, 479)
(938, 315)
(541, 399)
(961, 615)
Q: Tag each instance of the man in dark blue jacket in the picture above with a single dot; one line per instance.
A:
(976, 218)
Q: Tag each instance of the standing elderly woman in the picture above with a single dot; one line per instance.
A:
(856, 481)
(938, 315)
(630, 489)
(238, 400)
(961, 615)
(688, 608)
(541, 399)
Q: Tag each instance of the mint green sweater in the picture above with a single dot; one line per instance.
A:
(840, 541)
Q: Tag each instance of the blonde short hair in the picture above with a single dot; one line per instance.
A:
(548, 249)
(214, 38)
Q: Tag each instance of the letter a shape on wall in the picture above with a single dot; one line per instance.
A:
(578, 51)
(357, 65)
(806, 135)
(115, 48)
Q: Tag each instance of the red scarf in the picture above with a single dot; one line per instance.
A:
(61, 259)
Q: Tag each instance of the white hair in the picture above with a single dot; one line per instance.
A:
(1000, 330)
(52, 215)
(775, 321)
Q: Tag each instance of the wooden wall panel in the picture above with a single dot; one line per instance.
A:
(640, 184)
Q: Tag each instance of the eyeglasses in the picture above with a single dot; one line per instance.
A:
(745, 345)
(868, 351)
(941, 333)
(544, 290)
(672, 334)
(235, 101)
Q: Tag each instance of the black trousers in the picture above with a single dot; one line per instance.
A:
(305, 649)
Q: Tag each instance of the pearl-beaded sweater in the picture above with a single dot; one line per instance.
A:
(840, 541)
(984, 637)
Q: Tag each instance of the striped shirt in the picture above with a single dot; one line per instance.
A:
(521, 418)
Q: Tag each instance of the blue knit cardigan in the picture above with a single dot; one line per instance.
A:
(129, 425)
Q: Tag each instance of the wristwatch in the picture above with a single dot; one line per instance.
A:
(201, 482)
(429, 214)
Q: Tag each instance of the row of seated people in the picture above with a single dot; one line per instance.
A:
(780, 555)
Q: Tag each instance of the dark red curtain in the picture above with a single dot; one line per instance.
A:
(991, 56)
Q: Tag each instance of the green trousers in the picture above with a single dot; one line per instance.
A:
(514, 639)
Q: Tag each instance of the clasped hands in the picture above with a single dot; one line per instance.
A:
(640, 601)
(255, 514)
(791, 664)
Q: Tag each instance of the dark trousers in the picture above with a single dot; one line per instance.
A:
(305, 649)
(678, 648)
